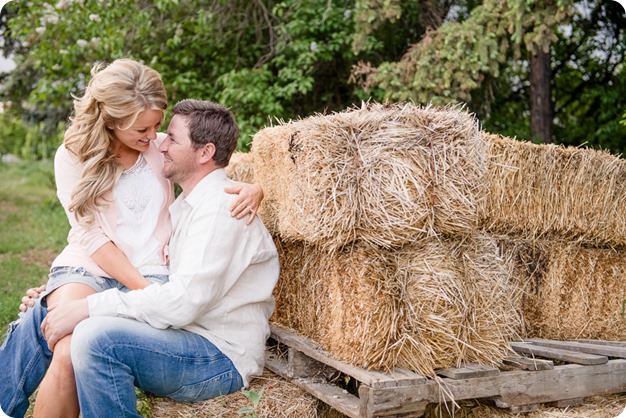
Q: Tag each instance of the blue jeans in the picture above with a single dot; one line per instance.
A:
(112, 355)
(24, 359)
(24, 355)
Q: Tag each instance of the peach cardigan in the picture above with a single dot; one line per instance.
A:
(82, 241)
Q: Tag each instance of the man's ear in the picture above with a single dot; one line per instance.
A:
(207, 152)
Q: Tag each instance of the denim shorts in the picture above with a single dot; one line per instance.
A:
(62, 275)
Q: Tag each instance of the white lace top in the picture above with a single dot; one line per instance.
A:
(138, 198)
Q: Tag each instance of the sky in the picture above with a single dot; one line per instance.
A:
(5, 64)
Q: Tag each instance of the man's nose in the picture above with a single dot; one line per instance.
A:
(163, 145)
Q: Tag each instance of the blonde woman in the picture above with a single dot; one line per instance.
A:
(109, 180)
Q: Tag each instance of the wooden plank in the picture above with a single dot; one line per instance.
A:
(468, 371)
(303, 366)
(368, 377)
(510, 389)
(603, 342)
(603, 350)
(389, 404)
(566, 403)
(558, 354)
(330, 394)
(525, 363)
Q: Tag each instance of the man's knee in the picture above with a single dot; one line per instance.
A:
(88, 339)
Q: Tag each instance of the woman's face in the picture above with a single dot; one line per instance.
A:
(138, 136)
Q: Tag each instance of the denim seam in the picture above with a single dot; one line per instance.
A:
(12, 404)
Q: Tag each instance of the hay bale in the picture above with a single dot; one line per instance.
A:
(555, 192)
(459, 300)
(342, 300)
(279, 399)
(386, 175)
(570, 291)
(430, 305)
(240, 167)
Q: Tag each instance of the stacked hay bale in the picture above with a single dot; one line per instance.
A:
(375, 212)
(555, 192)
(562, 216)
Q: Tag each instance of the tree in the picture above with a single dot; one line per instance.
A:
(505, 59)
(280, 59)
(288, 59)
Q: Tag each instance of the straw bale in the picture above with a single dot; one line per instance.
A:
(241, 167)
(341, 300)
(570, 291)
(386, 175)
(279, 399)
(430, 305)
(459, 299)
(555, 192)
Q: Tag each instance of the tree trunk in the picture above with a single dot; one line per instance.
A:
(541, 111)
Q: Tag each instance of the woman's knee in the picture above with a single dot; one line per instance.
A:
(62, 358)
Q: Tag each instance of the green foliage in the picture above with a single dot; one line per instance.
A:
(145, 403)
(12, 134)
(271, 60)
(254, 398)
(452, 62)
(266, 60)
(29, 141)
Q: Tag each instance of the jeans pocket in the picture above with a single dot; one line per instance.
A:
(222, 384)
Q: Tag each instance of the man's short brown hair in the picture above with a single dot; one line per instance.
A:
(210, 122)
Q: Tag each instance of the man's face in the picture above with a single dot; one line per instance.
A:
(180, 157)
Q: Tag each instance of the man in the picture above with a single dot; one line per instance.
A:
(203, 333)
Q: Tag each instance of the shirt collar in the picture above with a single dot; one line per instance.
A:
(211, 183)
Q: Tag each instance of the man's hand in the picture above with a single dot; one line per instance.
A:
(61, 320)
(28, 301)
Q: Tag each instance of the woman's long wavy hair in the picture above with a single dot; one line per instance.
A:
(115, 96)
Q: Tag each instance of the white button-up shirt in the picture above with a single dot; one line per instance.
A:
(222, 273)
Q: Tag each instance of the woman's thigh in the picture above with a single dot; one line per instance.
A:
(71, 283)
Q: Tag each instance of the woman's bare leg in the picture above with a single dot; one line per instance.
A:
(57, 396)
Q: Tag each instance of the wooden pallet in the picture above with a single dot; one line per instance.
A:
(542, 371)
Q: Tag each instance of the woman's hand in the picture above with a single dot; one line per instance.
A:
(248, 200)
(33, 293)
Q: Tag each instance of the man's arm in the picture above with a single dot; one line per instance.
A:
(210, 257)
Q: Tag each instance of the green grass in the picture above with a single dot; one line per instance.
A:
(33, 229)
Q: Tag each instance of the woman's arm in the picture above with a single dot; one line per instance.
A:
(115, 263)
(248, 200)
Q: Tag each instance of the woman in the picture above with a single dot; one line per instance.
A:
(109, 180)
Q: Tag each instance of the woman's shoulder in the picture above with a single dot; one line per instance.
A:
(64, 155)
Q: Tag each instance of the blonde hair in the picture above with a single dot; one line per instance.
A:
(115, 96)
